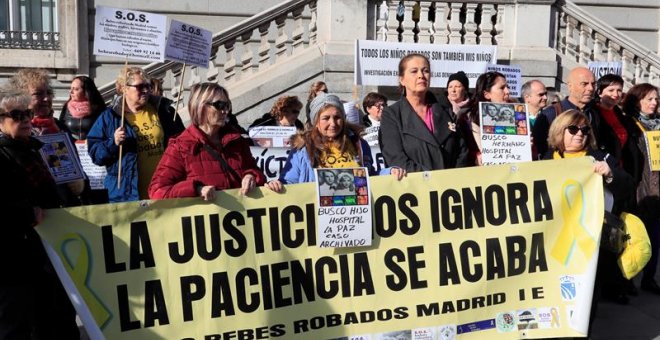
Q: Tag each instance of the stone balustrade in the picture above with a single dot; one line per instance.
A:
(280, 36)
(583, 38)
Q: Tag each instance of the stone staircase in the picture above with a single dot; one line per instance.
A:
(283, 49)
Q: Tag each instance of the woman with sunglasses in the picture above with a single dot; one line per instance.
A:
(570, 136)
(149, 122)
(32, 300)
(284, 112)
(209, 155)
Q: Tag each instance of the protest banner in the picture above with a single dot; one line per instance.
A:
(513, 75)
(601, 68)
(377, 62)
(653, 149)
(504, 133)
(501, 252)
(188, 44)
(60, 158)
(130, 34)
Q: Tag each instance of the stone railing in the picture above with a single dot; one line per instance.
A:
(583, 38)
(246, 48)
(30, 40)
(440, 22)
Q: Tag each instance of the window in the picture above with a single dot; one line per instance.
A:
(29, 24)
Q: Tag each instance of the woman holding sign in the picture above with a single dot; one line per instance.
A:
(330, 142)
(571, 136)
(32, 300)
(641, 103)
(491, 87)
(209, 155)
(150, 122)
(418, 132)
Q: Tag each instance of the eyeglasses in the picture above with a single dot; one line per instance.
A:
(573, 129)
(18, 115)
(380, 105)
(294, 111)
(141, 87)
(221, 105)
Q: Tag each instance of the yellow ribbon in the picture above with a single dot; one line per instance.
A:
(554, 319)
(80, 276)
(573, 232)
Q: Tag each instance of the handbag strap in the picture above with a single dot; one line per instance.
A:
(223, 162)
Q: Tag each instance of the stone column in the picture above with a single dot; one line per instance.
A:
(527, 27)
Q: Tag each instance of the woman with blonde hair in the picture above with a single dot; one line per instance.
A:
(570, 136)
(284, 112)
(210, 155)
(149, 123)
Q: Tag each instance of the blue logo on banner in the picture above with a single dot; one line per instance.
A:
(567, 285)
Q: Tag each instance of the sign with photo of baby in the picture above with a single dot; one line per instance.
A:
(504, 133)
(344, 208)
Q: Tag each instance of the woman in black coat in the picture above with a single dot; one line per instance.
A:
(33, 303)
(418, 132)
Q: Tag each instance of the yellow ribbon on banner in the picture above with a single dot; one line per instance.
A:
(554, 319)
(80, 275)
(573, 232)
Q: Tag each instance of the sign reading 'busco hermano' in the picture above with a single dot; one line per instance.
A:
(130, 34)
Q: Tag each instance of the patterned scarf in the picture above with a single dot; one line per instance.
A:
(650, 122)
(44, 125)
(78, 109)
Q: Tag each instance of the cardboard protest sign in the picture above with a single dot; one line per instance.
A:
(653, 149)
(188, 44)
(344, 208)
(96, 174)
(513, 75)
(272, 136)
(130, 34)
(504, 133)
(60, 158)
(377, 62)
(485, 252)
(601, 68)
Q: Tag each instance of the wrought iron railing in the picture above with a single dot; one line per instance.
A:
(30, 40)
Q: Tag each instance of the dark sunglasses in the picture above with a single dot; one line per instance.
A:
(221, 105)
(573, 129)
(141, 87)
(18, 115)
(294, 111)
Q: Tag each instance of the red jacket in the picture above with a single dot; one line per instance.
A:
(186, 164)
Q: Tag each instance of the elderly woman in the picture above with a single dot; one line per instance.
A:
(641, 103)
(209, 155)
(149, 123)
(284, 112)
(373, 104)
(571, 136)
(457, 92)
(418, 132)
(36, 83)
(32, 300)
(329, 142)
(491, 87)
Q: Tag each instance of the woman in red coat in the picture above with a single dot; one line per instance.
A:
(209, 155)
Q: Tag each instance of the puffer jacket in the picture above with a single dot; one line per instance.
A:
(187, 164)
(104, 152)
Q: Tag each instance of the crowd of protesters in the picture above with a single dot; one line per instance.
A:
(148, 153)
